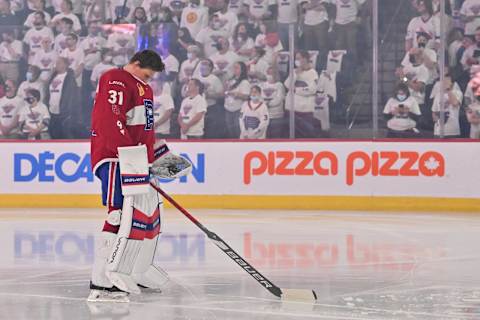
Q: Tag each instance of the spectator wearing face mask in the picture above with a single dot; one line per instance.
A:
(188, 66)
(452, 97)
(208, 37)
(223, 60)
(34, 117)
(38, 6)
(45, 59)
(32, 82)
(11, 51)
(63, 97)
(422, 23)
(427, 55)
(10, 106)
(191, 117)
(304, 90)
(194, 18)
(254, 117)
(237, 92)
(35, 36)
(213, 91)
(273, 93)
(402, 114)
(470, 14)
(241, 43)
(163, 107)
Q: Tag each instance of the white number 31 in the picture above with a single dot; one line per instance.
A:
(116, 97)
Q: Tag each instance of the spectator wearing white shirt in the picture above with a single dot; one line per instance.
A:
(188, 66)
(191, 117)
(162, 110)
(172, 66)
(423, 23)
(273, 93)
(452, 102)
(91, 45)
(473, 116)
(238, 90)
(471, 56)
(66, 27)
(258, 66)
(454, 44)
(223, 60)
(236, 7)
(304, 90)
(194, 18)
(33, 38)
(32, 82)
(254, 117)
(287, 13)
(34, 117)
(38, 6)
(208, 36)
(45, 59)
(122, 46)
(402, 114)
(11, 51)
(241, 43)
(10, 106)
(214, 92)
(228, 19)
(94, 11)
(258, 10)
(105, 64)
(315, 27)
(75, 57)
(268, 39)
(470, 14)
(66, 12)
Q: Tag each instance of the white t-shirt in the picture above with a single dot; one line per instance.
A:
(419, 73)
(46, 62)
(92, 42)
(33, 39)
(6, 56)
(452, 123)
(207, 37)
(55, 89)
(34, 117)
(212, 84)
(335, 60)
(240, 45)
(432, 55)
(452, 52)
(224, 63)
(274, 96)
(269, 51)
(402, 122)
(9, 109)
(75, 59)
(60, 42)
(261, 66)
(27, 85)
(194, 19)
(229, 21)
(347, 10)
(417, 25)
(287, 11)
(190, 107)
(235, 6)
(318, 15)
(327, 82)
(117, 41)
(161, 104)
(99, 69)
(187, 69)
(171, 64)
(233, 104)
(471, 8)
(305, 88)
(467, 54)
(322, 110)
(76, 22)
(31, 18)
(258, 8)
(254, 120)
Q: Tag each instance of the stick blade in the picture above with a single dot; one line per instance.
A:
(303, 295)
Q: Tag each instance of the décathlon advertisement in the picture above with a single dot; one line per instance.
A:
(361, 168)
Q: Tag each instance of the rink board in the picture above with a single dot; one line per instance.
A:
(327, 174)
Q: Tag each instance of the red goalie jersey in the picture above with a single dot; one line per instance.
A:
(122, 116)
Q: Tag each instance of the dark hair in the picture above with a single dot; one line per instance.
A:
(237, 27)
(304, 54)
(35, 70)
(73, 35)
(428, 5)
(42, 14)
(199, 85)
(243, 75)
(148, 59)
(210, 63)
(34, 93)
(67, 21)
(256, 88)
(402, 86)
(104, 52)
(69, 4)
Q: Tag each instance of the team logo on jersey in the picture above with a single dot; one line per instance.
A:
(118, 83)
(149, 114)
(192, 17)
(141, 91)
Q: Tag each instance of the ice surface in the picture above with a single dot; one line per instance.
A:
(362, 266)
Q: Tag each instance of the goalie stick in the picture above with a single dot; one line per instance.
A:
(284, 294)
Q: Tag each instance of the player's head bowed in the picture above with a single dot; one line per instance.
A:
(144, 64)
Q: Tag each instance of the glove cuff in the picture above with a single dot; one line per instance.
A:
(160, 151)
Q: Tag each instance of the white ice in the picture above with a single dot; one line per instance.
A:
(362, 265)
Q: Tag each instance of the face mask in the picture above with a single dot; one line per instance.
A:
(30, 100)
(219, 46)
(401, 97)
(422, 45)
(29, 76)
(412, 59)
(297, 63)
(254, 98)
(189, 55)
(204, 71)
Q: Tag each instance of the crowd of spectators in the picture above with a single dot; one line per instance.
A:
(415, 108)
(227, 65)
